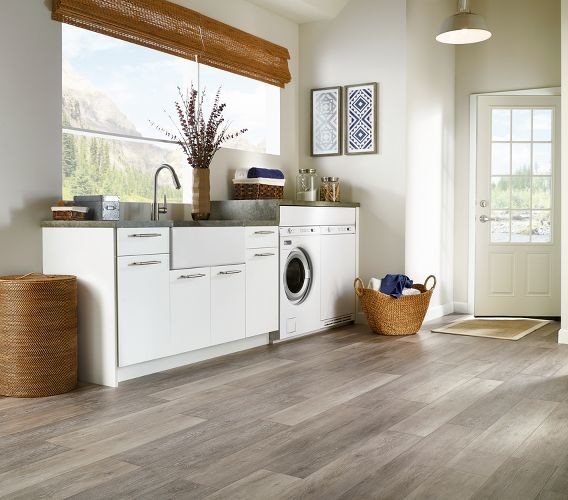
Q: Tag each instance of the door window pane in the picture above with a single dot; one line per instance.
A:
(521, 158)
(500, 228)
(500, 192)
(542, 125)
(501, 124)
(520, 226)
(541, 192)
(541, 226)
(542, 158)
(520, 192)
(521, 125)
(500, 159)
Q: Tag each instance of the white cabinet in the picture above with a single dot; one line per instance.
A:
(261, 237)
(190, 309)
(142, 241)
(261, 291)
(143, 308)
(227, 303)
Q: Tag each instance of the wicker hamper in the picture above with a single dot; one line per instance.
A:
(38, 335)
(390, 316)
(245, 191)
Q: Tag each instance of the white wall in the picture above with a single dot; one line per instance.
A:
(365, 43)
(30, 133)
(30, 130)
(430, 149)
(523, 53)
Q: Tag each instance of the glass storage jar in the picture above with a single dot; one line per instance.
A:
(306, 185)
(329, 189)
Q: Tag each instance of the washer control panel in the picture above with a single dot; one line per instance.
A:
(299, 231)
(338, 230)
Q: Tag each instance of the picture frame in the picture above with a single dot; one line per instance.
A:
(361, 119)
(326, 124)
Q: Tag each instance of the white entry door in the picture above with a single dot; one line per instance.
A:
(517, 254)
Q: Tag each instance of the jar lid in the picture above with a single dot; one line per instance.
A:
(303, 170)
(330, 179)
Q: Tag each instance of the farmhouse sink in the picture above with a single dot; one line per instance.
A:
(207, 246)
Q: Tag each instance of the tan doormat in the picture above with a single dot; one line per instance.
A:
(493, 328)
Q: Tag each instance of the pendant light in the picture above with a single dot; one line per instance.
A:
(463, 27)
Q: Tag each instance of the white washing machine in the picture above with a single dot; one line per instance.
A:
(300, 289)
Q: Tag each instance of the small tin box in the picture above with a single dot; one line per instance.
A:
(101, 207)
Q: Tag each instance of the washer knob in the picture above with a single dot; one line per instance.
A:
(289, 230)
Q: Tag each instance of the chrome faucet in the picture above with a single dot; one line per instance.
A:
(156, 208)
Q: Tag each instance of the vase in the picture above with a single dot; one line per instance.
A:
(201, 201)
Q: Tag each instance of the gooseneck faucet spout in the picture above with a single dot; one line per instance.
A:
(156, 209)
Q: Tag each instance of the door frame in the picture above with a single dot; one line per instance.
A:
(473, 101)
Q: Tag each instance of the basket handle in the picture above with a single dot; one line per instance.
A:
(427, 280)
(358, 285)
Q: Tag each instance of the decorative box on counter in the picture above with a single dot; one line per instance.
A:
(101, 207)
(258, 183)
(257, 189)
(69, 213)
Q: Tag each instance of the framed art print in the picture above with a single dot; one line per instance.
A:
(361, 119)
(326, 122)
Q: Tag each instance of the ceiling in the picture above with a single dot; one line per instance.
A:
(303, 11)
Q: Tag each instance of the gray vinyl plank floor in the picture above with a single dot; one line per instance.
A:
(341, 414)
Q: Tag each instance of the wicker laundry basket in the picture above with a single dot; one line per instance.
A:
(390, 316)
(38, 335)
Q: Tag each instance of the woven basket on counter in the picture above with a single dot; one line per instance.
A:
(391, 316)
(245, 191)
(38, 335)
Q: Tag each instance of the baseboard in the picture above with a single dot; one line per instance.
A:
(159, 365)
(461, 308)
(563, 336)
(439, 311)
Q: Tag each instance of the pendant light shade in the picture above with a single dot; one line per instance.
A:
(464, 27)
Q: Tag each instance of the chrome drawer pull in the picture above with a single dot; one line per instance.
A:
(145, 235)
(263, 254)
(190, 276)
(146, 263)
(236, 271)
(264, 232)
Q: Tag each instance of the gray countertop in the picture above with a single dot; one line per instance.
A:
(225, 213)
(159, 223)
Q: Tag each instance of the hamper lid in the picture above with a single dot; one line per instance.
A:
(37, 277)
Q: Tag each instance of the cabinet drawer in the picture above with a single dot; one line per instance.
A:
(142, 241)
(261, 236)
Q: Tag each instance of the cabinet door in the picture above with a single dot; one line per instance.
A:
(227, 303)
(261, 291)
(190, 309)
(143, 308)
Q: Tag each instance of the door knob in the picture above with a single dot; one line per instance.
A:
(484, 219)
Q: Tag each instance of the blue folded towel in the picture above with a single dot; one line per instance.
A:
(266, 173)
(394, 284)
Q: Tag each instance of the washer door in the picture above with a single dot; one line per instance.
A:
(297, 276)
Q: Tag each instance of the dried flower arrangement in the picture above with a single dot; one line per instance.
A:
(198, 138)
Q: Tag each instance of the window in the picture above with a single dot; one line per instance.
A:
(521, 175)
(112, 89)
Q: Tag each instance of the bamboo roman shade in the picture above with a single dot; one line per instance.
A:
(171, 28)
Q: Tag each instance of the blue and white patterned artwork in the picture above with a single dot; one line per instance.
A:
(361, 119)
(326, 121)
